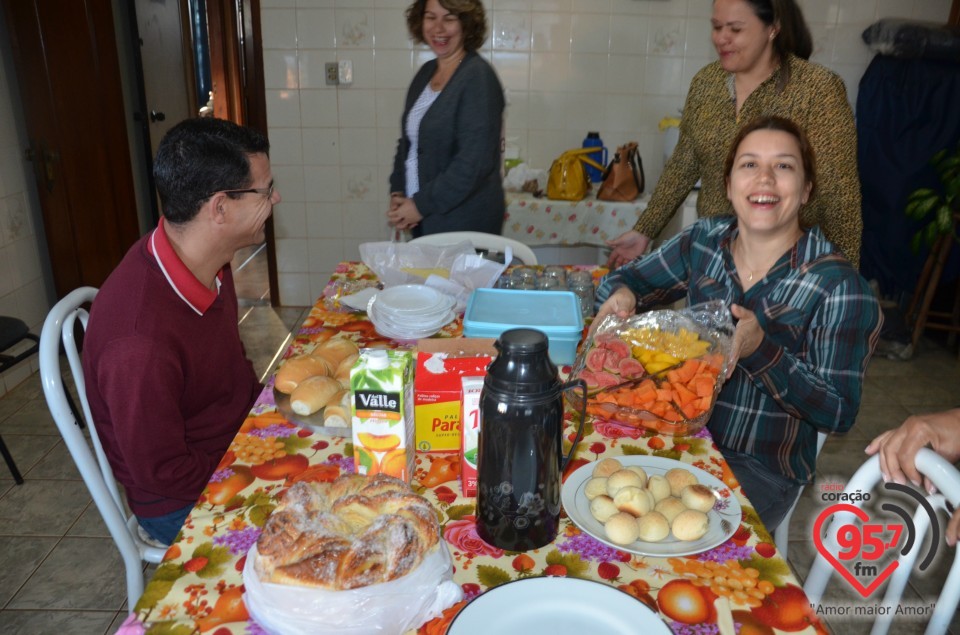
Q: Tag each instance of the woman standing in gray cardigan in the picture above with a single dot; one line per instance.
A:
(446, 173)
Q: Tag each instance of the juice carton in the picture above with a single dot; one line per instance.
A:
(440, 365)
(382, 413)
(470, 418)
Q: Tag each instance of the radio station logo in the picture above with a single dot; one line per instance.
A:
(861, 546)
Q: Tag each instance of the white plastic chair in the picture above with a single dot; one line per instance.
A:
(781, 535)
(946, 478)
(480, 240)
(95, 470)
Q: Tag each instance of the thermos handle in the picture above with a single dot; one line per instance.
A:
(572, 385)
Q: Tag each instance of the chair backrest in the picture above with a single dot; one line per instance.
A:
(59, 327)
(946, 478)
(781, 535)
(480, 240)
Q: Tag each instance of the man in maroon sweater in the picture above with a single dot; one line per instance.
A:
(167, 377)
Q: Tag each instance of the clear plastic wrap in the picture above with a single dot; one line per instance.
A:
(390, 608)
(660, 370)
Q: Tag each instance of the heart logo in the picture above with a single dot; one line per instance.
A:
(864, 590)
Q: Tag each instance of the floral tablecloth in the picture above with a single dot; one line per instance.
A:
(199, 587)
(541, 221)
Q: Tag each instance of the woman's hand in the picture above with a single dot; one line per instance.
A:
(898, 448)
(403, 212)
(622, 303)
(626, 247)
(747, 336)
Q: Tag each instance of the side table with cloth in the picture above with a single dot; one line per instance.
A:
(199, 585)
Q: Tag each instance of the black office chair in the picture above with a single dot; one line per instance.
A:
(12, 332)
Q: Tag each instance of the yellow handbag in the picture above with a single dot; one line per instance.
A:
(568, 178)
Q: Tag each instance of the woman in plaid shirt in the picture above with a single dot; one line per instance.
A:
(807, 322)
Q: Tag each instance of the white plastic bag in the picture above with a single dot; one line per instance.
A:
(390, 608)
(392, 263)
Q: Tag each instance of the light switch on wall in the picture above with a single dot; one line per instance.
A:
(345, 74)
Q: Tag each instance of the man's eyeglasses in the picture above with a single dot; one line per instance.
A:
(266, 192)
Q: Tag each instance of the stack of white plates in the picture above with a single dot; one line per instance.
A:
(410, 311)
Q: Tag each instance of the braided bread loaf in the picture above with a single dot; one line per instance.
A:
(350, 533)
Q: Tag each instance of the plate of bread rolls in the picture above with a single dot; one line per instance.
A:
(651, 506)
(313, 388)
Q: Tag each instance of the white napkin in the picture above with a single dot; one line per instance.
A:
(358, 301)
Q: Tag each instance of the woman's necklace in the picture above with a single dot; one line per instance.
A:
(440, 78)
(743, 261)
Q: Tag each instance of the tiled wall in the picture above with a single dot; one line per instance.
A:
(569, 66)
(22, 290)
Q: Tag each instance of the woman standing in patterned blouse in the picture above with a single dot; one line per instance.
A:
(807, 322)
(763, 46)
(446, 172)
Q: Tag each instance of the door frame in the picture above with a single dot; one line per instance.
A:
(236, 73)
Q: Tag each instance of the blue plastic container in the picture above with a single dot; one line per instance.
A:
(490, 312)
(593, 140)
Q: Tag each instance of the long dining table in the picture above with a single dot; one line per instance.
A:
(199, 585)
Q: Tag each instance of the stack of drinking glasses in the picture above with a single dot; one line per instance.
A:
(552, 278)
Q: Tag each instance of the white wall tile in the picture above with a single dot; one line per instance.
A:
(664, 76)
(283, 108)
(279, 27)
(292, 255)
(280, 69)
(358, 146)
(357, 107)
(321, 183)
(286, 146)
(590, 33)
(325, 220)
(390, 29)
(393, 68)
(289, 180)
(628, 35)
(289, 220)
(321, 146)
(666, 36)
(311, 67)
(318, 108)
(316, 29)
(354, 28)
(513, 69)
(294, 289)
(360, 185)
(511, 30)
(550, 32)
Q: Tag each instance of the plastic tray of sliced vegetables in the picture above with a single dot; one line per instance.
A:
(660, 370)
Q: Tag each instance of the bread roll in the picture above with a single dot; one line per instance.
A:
(606, 467)
(653, 527)
(659, 487)
(678, 479)
(633, 500)
(602, 508)
(342, 373)
(336, 350)
(595, 487)
(669, 507)
(690, 524)
(621, 479)
(639, 471)
(336, 414)
(313, 393)
(622, 528)
(296, 369)
(699, 497)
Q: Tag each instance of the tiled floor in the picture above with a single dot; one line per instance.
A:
(60, 573)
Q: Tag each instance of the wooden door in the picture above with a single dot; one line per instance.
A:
(65, 55)
(167, 65)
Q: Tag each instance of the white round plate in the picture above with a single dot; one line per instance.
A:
(559, 606)
(411, 298)
(577, 506)
(405, 331)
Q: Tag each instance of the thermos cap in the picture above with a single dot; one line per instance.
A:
(523, 368)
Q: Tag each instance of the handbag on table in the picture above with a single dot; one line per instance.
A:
(568, 179)
(623, 179)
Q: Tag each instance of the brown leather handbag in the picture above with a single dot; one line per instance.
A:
(623, 179)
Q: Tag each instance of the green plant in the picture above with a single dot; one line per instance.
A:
(938, 208)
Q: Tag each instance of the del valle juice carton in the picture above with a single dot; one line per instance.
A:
(381, 382)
